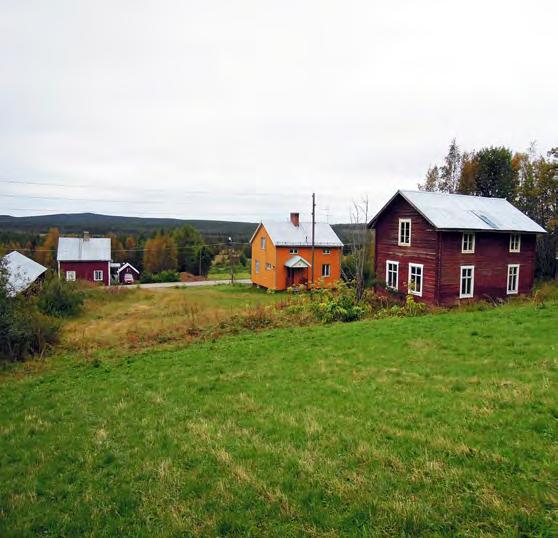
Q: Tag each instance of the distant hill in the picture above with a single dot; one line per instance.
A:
(76, 223)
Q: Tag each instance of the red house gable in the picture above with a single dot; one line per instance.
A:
(445, 248)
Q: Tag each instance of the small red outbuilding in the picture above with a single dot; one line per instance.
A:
(128, 274)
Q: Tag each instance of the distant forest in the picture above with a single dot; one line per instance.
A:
(150, 244)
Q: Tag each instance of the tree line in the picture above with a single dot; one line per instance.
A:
(181, 249)
(528, 180)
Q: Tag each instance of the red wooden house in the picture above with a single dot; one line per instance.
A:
(84, 258)
(444, 248)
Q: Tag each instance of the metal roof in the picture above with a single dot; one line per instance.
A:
(22, 271)
(297, 262)
(286, 234)
(460, 212)
(127, 264)
(78, 249)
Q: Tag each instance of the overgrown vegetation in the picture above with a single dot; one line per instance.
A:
(429, 426)
(60, 299)
(24, 331)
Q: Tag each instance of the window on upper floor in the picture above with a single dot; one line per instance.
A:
(392, 275)
(326, 251)
(415, 279)
(293, 251)
(404, 238)
(515, 242)
(468, 243)
(262, 243)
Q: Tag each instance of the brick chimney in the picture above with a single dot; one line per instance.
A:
(295, 219)
(86, 236)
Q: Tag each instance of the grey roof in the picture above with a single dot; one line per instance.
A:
(297, 262)
(77, 249)
(22, 271)
(460, 212)
(286, 234)
(127, 264)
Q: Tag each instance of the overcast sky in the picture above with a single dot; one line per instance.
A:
(241, 109)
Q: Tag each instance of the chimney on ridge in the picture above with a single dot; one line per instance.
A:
(86, 236)
(295, 220)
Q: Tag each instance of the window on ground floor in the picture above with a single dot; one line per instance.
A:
(268, 267)
(392, 275)
(326, 270)
(415, 279)
(257, 266)
(70, 276)
(97, 275)
(513, 279)
(467, 282)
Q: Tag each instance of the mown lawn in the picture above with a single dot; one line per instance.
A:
(442, 425)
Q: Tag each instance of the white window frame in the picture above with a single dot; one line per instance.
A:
(513, 246)
(326, 251)
(326, 273)
(257, 266)
(516, 290)
(396, 264)
(268, 267)
(263, 242)
(70, 276)
(293, 251)
(399, 242)
(418, 293)
(95, 272)
(473, 241)
(472, 292)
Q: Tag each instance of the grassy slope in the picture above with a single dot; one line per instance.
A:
(436, 425)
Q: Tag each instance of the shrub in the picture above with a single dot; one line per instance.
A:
(60, 299)
(410, 309)
(23, 330)
(341, 305)
(163, 276)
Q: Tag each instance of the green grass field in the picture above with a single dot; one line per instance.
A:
(443, 425)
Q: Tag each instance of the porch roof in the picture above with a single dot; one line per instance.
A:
(297, 262)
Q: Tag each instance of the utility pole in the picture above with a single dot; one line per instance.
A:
(313, 232)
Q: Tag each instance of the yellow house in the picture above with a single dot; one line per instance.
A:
(282, 254)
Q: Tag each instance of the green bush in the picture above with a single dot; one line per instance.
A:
(23, 329)
(163, 276)
(341, 305)
(60, 299)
